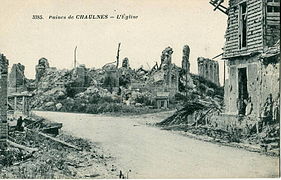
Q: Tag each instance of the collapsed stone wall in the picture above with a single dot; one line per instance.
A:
(208, 69)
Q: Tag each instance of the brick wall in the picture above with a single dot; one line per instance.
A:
(3, 101)
(3, 134)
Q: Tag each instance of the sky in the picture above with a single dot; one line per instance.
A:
(160, 23)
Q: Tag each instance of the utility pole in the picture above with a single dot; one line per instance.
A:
(75, 51)
(224, 72)
(16, 78)
(117, 57)
(186, 84)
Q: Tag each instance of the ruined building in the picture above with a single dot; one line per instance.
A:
(252, 55)
(3, 101)
(17, 80)
(170, 70)
(166, 78)
(41, 68)
(208, 69)
(18, 96)
(185, 58)
(162, 82)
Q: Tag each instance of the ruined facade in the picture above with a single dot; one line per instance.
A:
(166, 57)
(171, 76)
(3, 101)
(17, 80)
(252, 55)
(159, 80)
(185, 59)
(169, 72)
(166, 78)
(41, 68)
(209, 69)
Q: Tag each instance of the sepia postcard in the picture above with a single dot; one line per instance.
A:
(139, 89)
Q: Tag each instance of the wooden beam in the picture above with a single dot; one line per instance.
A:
(216, 7)
(217, 56)
(222, 10)
(219, 7)
(38, 121)
(29, 149)
(59, 141)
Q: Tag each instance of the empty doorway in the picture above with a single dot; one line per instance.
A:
(242, 90)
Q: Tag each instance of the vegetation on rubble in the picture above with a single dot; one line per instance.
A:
(53, 160)
(96, 104)
(105, 107)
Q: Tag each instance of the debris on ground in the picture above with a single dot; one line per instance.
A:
(33, 154)
(194, 117)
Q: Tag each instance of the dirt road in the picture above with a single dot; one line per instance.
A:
(153, 153)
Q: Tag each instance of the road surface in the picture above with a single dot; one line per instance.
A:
(153, 153)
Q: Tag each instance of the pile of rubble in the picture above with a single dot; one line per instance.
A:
(197, 108)
(62, 98)
(58, 90)
(116, 89)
